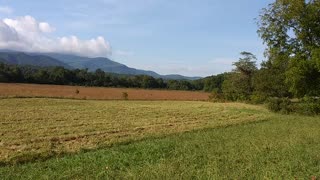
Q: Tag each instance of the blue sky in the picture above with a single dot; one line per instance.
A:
(188, 37)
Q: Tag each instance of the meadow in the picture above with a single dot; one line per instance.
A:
(45, 138)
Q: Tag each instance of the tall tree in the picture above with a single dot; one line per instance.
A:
(291, 30)
(238, 84)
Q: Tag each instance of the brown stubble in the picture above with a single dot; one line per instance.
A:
(97, 93)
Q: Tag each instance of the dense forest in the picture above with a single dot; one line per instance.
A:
(83, 77)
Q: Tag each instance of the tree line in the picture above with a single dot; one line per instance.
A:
(83, 77)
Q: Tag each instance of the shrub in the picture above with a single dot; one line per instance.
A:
(283, 105)
(77, 91)
(125, 95)
(308, 106)
(273, 104)
(286, 106)
(216, 97)
(258, 99)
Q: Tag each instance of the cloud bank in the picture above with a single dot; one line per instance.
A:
(27, 34)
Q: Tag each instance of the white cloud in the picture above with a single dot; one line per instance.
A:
(5, 10)
(7, 33)
(45, 27)
(27, 34)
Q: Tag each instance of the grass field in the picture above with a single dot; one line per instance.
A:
(97, 93)
(87, 139)
(33, 127)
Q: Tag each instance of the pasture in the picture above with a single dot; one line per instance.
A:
(86, 139)
(33, 128)
(96, 93)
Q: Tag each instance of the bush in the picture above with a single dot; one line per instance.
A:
(216, 97)
(273, 104)
(125, 96)
(258, 99)
(308, 106)
(286, 106)
(283, 105)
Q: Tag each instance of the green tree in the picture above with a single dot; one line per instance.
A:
(238, 84)
(268, 81)
(247, 64)
(3, 73)
(213, 83)
(99, 79)
(41, 76)
(291, 30)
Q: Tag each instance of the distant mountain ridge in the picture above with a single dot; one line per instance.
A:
(102, 63)
(108, 65)
(20, 58)
(78, 62)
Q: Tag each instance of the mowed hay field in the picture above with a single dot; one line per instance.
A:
(41, 127)
(88, 139)
(97, 93)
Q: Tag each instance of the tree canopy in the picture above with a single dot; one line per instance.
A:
(291, 31)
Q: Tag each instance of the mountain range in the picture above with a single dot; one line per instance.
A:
(79, 62)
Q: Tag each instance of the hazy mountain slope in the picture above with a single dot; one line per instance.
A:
(78, 62)
(108, 65)
(20, 58)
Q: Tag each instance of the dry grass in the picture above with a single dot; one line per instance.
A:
(44, 127)
(97, 93)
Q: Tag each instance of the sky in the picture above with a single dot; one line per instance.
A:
(187, 37)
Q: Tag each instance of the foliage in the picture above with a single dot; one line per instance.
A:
(247, 64)
(216, 96)
(273, 104)
(62, 76)
(235, 87)
(256, 98)
(283, 105)
(213, 83)
(269, 81)
(238, 84)
(303, 77)
(291, 31)
(308, 106)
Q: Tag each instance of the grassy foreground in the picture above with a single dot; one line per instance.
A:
(257, 145)
(40, 128)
